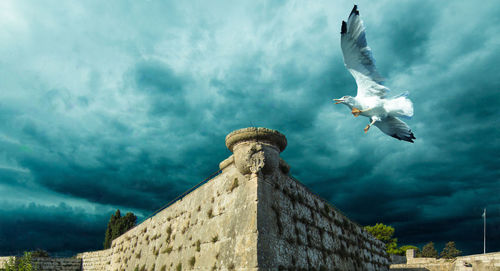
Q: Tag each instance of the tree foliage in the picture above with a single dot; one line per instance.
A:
(450, 251)
(384, 233)
(428, 251)
(20, 264)
(40, 253)
(117, 226)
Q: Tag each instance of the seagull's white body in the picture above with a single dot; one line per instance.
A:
(371, 100)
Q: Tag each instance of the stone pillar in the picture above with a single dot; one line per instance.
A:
(410, 255)
(256, 150)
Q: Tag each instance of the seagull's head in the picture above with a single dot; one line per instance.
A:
(347, 100)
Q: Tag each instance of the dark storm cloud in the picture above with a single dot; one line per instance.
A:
(37, 226)
(164, 88)
(135, 112)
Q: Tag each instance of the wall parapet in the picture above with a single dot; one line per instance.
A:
(479, 262)
(49, 263)
(98, 260)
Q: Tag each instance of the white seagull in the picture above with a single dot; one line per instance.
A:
(371, 100)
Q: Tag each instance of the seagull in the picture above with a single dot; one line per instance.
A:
(371, 100)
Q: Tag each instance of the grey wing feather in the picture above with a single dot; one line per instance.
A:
(395, 128)
(358, 56)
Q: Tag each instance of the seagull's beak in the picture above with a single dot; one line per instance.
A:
(337, 101)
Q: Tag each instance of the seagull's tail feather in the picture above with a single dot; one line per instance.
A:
(400, 106)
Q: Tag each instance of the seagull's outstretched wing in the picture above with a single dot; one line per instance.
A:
(358, 57)
(395, 128)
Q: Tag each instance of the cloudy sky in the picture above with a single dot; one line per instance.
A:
(125, 104)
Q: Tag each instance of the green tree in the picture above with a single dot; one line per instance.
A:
(21, 264)
(117, 226)
(384, 233)
(40, 253)
(450, 251)
(428, 251)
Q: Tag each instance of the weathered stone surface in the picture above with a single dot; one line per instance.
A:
(256, 135)
(95, 260)
(50, 264)
(252, 216)
(297, 229)
(478, 262)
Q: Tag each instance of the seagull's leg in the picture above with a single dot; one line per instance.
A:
(369, 125)
(356, 112)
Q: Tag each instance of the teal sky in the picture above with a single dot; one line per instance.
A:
(125, 104)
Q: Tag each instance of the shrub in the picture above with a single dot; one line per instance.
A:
(234, 185)
(179, 267)
(40, 253)
(22, 264)
(198, 245)
(192, 261)
(167, 250)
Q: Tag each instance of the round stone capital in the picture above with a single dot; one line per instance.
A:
(256, 134)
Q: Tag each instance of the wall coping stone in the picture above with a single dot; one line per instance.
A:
(260, 134)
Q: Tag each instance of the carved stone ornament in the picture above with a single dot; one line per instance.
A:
(256, 149)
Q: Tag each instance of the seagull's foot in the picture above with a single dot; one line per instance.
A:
(356, 112)
(367, 128)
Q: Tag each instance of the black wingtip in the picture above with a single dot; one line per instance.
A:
(354, 10)
(408, 139)
(343, 30)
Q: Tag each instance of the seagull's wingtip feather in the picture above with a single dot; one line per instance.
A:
(343, 29)
(354, 10)
(409, 138)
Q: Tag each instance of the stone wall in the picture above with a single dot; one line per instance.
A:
(300, 231)
(95, 260)
(252, 216)
(57, 264)
(213, 227)
(478, 262)
(397, 259)
(50, 264)
(486, 262)
(297, 230)
(4, 261)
